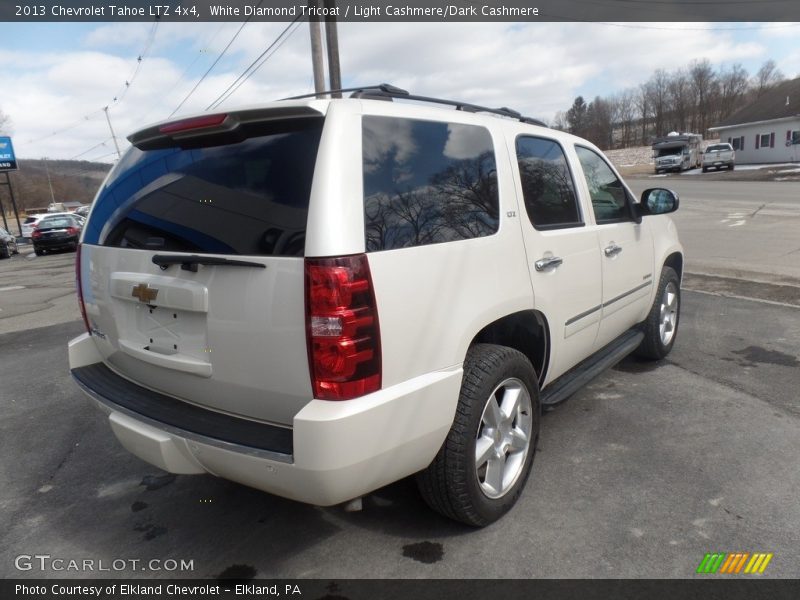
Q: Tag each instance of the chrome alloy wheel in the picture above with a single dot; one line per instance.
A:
(668, 320)
(504, 437)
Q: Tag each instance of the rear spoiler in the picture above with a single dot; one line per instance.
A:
(215, 129)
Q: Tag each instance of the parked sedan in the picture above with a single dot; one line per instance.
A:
(8, 244)
(30, 223)
(52, 233)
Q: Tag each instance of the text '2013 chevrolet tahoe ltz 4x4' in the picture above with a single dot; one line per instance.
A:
(318, 297)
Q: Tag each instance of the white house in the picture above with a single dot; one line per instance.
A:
(768, 130)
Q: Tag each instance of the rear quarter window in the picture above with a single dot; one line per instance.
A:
(245, 198)
(427, 182)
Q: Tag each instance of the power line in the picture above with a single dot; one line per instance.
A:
(247, 73)
(103, 143)
(214, 64)
(129, 82)
(116, 100)
(182, 76)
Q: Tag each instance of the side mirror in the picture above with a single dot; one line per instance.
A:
(658, 201)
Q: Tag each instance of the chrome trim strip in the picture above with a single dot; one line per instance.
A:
(583, 314)
(628, 293)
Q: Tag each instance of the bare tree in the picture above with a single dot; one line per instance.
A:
(625, 116)
(5, 123)
(657, 89)
(767, 76)
(679, 94)
(560, 121)
(643, 107)
(732, 87)
(704, 84)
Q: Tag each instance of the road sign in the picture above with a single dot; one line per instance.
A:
(8, 161)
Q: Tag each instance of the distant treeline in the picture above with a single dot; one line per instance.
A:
(689, 99)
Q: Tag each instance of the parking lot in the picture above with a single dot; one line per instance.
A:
(638, 475)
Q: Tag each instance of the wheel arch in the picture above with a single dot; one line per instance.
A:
(675, 262)
(526, 331)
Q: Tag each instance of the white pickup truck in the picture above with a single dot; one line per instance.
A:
(717, 156)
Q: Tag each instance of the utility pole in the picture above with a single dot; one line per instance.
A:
(49, 183)
(316, 50)
(332, 39)
(113, 136)
(13, 204)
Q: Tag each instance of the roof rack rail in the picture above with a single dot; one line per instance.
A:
(385, 88)
(387, 91)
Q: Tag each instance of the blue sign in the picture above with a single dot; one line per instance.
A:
(8, 162)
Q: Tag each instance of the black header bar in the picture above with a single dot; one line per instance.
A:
(402, 10)
(712, 587)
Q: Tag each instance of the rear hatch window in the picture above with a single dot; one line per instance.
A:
(245, 198)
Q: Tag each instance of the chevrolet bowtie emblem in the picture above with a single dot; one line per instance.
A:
(144, 293)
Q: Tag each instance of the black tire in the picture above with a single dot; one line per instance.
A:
(5, 252)
(654, 346)
(730, 167)
(38, 251)
(705, 169)
(452, 484)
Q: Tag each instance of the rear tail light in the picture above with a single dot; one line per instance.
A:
(79, 288)
(36, 234)
(344, 347)
(193, 123)
(72, 230)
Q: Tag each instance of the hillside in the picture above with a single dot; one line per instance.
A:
(71, 180)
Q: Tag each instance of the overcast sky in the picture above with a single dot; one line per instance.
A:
(56, 76)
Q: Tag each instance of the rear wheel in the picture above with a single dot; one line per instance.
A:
(661, 325)
(730, 167)
(481, 469)
(38, 251)
(5, 251)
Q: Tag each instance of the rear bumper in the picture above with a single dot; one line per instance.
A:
(55, 242)
(335, 451)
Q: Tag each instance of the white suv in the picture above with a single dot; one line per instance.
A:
(317, 298)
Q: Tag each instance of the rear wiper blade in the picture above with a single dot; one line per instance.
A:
(189, 263)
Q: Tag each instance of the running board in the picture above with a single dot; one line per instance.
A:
(577, 377)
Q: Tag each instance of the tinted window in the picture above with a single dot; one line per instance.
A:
(547, 185)
(249, 197)
(606, 189)
(427, 182)
(57, 223)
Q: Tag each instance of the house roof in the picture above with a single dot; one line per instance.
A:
(771, 105)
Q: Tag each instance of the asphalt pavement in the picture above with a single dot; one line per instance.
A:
(638, 475)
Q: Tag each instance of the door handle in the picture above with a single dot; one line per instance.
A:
(548, 262)
(612, 250)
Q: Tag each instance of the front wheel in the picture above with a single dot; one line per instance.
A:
(661, 325)
(481, 469)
